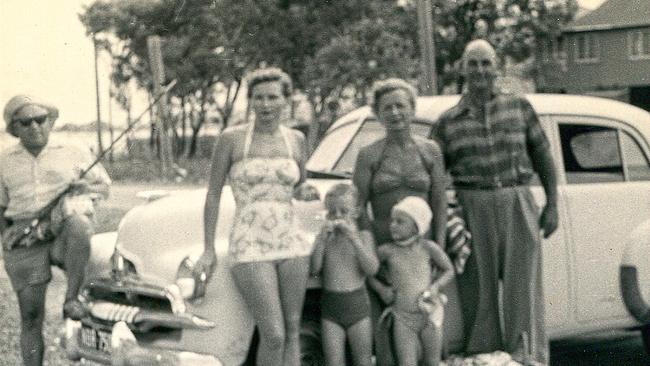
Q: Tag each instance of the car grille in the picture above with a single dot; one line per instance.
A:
(111, 301)
(131, 293)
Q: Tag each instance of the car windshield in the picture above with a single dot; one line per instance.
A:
(370, 131)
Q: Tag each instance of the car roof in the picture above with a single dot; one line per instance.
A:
(431, 107)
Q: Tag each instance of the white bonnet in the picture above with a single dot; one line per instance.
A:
(418, 209)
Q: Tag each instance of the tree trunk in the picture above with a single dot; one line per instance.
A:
(201, 121)
(183, 125)
(194, 142)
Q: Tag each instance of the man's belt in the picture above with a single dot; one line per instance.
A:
(491, 184)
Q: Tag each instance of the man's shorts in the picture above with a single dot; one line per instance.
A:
(28, 266)
(32, 265)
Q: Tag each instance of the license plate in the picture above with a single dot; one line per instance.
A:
(96, 339)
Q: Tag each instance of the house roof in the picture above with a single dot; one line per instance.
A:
(613, 14)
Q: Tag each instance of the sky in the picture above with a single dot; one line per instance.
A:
(46, 53)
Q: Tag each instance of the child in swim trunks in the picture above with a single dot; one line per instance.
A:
(417, 269)
(344, 257)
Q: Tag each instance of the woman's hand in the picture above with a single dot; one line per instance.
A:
(306, 192)
(206, 264)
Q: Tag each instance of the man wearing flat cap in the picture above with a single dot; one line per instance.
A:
(32, 173)
(493, 145)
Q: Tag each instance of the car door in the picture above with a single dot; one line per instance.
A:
(555, 249)
(607, 175)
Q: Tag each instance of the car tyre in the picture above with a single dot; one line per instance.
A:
(311, 349)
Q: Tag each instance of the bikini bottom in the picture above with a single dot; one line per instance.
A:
(345, 308)
(416, 321)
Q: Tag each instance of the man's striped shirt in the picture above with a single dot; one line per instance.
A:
(493, 150)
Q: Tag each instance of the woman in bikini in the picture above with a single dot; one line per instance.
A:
(397, 166)
(264, 162)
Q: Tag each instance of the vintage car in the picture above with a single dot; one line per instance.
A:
(596, 267)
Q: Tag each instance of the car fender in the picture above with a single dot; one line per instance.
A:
(102, 246)
(634, 271)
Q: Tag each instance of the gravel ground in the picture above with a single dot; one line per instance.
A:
(10, 331)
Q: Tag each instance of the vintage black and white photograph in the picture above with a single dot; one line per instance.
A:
(325, 182)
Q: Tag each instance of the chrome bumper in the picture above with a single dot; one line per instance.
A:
(125, 350)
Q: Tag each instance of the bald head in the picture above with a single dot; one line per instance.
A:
(479, 66)
(479, 48)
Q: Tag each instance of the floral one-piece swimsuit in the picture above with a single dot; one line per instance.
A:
(264, 228)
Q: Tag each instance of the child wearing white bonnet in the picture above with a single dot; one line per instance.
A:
(418, 209)
(417, 270)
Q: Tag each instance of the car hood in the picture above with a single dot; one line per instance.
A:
(158, 235)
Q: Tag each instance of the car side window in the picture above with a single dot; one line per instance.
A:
(635, 160)
(591, 154)
(369, 132)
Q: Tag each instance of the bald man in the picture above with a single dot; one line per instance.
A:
(493, 145)
(32, 173)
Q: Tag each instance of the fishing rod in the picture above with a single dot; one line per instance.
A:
(31, 234)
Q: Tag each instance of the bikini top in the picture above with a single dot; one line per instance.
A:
(388, 177)
(264, 178)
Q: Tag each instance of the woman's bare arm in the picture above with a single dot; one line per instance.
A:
(361, 179)
(221, 162)
(438, 196)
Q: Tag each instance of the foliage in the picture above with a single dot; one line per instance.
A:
(514, 27)
(325, 45)
(369, 50)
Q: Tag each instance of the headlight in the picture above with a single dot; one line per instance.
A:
(190, 284)
(120, 266)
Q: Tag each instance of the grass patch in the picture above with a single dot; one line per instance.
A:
(147, 171)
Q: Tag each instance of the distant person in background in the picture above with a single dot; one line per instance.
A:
(264, 162)
(33, 173)
(493, 144)
(393, 168)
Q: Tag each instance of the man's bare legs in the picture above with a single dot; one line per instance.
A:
(75, 251)
(71, 249)
(31, 301)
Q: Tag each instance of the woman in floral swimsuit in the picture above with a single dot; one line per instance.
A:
(263, 161)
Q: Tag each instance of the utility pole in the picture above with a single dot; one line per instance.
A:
(162, 121)
(110, 117)
(428, 82)
(100, 146)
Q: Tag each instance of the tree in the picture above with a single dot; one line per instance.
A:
(514, 27)
(369, 50)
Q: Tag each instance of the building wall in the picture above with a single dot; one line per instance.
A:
(613, 70)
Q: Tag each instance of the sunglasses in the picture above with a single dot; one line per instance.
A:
(26, 122)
